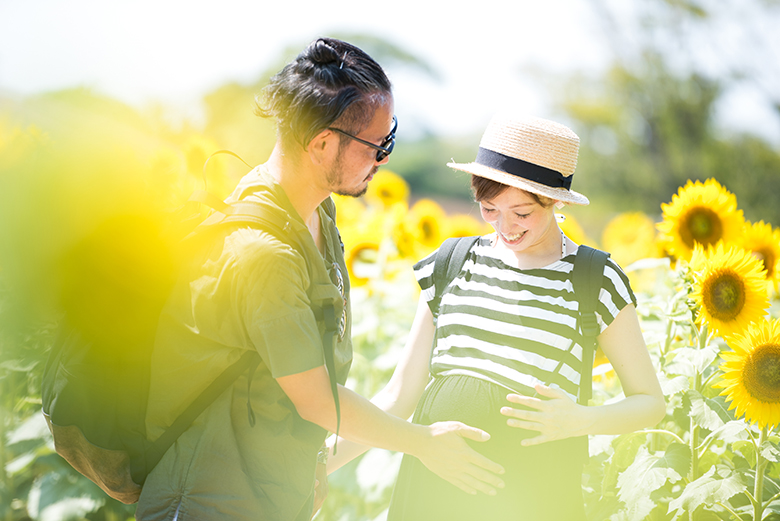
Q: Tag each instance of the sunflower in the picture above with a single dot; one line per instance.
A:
(764, 241)
(463, 225)
(427, 222)
(751, 374)
(386, 189)
(630, 237)
(700, 213)
(729, 288)
(361, 258)
(350, 212)
(573, 230)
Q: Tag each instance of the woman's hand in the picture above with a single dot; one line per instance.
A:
(320, 487)
(555, 419)
(446, 454)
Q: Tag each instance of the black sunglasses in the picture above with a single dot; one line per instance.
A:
(384, 149)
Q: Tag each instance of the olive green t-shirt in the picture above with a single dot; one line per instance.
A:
(246, 289)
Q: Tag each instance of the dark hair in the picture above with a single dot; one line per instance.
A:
(485, 189)
(329, 81)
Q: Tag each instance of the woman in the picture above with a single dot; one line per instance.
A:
(502, 327)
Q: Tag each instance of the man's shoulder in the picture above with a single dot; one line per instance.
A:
(249, 245)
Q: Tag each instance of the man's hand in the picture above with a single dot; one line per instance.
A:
(447, 454)
(320, 488)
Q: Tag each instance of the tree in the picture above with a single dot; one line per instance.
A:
(650, 123)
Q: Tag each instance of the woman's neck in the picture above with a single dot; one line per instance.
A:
(552, 248)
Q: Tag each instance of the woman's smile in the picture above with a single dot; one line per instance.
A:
(512, 238)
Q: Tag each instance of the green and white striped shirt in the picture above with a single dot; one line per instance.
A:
(513, 326)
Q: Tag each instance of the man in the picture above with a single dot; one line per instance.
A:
(254, 452)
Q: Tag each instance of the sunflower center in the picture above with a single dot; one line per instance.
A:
(761, 375)
(768, 260)
(428, 229)
(701, 225)
(724, 296)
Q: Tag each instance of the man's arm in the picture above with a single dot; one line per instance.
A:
(440, 446)
(400, 395)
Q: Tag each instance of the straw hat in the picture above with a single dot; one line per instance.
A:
(529, 153)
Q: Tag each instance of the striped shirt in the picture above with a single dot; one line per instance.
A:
(513, 326)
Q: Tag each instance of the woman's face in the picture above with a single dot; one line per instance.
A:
(521, 222)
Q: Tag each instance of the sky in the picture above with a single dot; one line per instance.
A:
(175, 51)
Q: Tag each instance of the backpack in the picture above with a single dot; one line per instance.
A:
(587, 275)
(95, 389)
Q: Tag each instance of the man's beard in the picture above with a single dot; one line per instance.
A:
(334, 178)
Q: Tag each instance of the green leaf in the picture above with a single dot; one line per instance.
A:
(672, 386)
(709, 489)
(687, 360)
(20, 366)
(626, 447)
(747, 449)
(735, 430)
(19, 464)
(33, 428)
(706, 412)
(719, 405)
(677, 457)
(63, 495)
(770, 452)
(647, 474)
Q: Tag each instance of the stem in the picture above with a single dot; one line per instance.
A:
(661, 431)
(769, 501)
(701, 338)
(739, 518)
(705, 445)
(5, 481)
(694, 440)
(758, 489)
(709, 379)
(668, 341)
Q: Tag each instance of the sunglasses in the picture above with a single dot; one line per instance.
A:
(384, 149)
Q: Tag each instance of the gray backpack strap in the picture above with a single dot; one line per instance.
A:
(448, 262)
(586, 279)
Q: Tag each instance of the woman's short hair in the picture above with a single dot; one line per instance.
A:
(486, 189)
(329, 81)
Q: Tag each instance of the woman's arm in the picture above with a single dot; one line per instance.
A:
(399, 397)
(560, 417)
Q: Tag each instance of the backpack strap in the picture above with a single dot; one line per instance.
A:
(244, 212)
(447, 263)
(256, 214)
(586, 278)
(247, 362)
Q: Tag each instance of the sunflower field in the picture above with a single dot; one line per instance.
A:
(705, 278)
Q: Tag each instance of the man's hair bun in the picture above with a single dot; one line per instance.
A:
(331, 80)
(323, 53)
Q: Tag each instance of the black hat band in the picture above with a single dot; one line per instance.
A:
(524, 169)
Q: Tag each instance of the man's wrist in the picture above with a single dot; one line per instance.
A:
(420, 434)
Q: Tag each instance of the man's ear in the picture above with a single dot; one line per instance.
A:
(323, 148)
